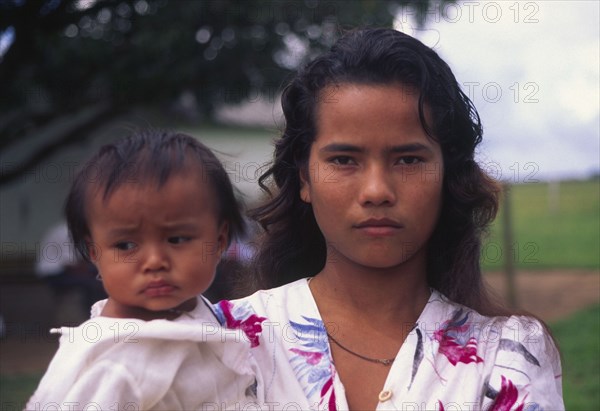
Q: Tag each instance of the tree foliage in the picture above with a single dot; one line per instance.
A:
(92, 60)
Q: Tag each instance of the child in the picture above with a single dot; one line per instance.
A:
(371, 250)
(153, 212)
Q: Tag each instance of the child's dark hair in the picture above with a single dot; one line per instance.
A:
(149, 156)
(294, 246)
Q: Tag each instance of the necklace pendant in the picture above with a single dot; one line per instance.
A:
(387, 362)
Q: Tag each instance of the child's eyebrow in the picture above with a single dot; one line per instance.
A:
(121, 231)
(177, 226)
(183, 226)
(351, 148)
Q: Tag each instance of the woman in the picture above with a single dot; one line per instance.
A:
(372, 239)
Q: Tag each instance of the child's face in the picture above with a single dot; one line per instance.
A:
(156, 249)
(375, 177)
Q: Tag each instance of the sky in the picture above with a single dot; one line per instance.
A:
(532, 70)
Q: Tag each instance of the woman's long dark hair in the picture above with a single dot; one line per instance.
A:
(293, 246)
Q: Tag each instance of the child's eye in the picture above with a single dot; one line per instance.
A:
(125, 245)
(178, 239)
(342, 160)
(409, 160)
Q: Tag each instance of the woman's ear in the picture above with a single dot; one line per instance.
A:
(304, 185)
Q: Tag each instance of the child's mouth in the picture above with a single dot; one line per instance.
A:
(158, 288)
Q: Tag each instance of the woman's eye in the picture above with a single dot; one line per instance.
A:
(409, 160)
(342, 160)
(125, 245)
(178, 239)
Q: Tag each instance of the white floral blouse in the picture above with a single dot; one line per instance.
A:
(453, 359)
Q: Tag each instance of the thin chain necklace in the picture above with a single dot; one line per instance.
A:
(383, 361)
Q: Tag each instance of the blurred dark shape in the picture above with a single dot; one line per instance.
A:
(233, 272)
(230, 274)
(60, 266)
(68, 67)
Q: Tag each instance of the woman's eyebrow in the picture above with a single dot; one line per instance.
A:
(403, 148)
(337, 147)
(410, 148)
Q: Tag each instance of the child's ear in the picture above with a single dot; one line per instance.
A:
(92, 250)
(223, 237)
(304, 185)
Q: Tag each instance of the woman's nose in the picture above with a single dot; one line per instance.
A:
(377, 187)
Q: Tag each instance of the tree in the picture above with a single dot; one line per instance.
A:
(89, 61)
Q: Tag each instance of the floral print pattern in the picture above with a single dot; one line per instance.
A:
(244, 319)
(494, 363)
(455, 340)
(312, 361)
(506, 397)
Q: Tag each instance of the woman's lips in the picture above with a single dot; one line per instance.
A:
(381, 231)
(379, 227)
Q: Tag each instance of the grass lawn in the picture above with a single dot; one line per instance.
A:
(552, 229)
(577, 336)
(15, 390)
(579, 341)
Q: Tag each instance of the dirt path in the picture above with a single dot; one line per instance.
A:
(551, 295)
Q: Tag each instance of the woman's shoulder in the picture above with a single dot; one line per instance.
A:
(516, 326)
(266, 308)
(505, 338)
(524, 363)
(517, 352)
(277, 293)
(267, 302)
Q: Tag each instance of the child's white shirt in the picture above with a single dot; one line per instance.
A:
(128, 364)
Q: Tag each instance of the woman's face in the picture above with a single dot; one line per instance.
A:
(374, 175)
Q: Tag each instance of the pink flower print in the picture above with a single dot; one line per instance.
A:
(506, 397)
(331, 405)
(251, 326)
(312, 358)
(452, 335)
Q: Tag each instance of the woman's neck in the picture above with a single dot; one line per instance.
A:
(390, 295)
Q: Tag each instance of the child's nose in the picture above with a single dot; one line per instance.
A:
(155, 259)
